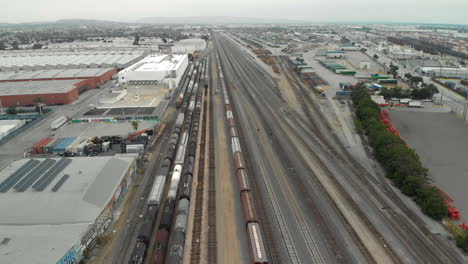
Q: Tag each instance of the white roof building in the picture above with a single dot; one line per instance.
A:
(189, 46)
(154, 69)
(38, 60)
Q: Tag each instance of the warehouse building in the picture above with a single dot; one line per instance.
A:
(52, 217)
(444, 72)
(96, 76)
(51, 92)
(156, 69)
(42, 60)
(189, 46)
(8, 126)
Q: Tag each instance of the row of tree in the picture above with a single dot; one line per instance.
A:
(402, 164)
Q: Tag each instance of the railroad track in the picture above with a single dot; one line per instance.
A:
(425, 251)
(206, 147)
(212, 236)
(311, 243)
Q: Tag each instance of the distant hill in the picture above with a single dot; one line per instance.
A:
(214, 20)
(86, 22)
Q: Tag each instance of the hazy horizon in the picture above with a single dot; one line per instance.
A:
(396, 11)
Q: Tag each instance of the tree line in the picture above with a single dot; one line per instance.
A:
(401, 163)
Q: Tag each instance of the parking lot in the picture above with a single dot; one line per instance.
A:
(440, 139)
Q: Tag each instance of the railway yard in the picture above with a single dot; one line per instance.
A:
(251, 153)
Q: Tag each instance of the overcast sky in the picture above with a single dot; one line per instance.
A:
(427, 11)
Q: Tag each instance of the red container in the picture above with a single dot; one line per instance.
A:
(243, 180)
(228, 107)
(239, 162)
(230, 122)
(160, 245)
(37, 148)
(232, 131)
(248, 206)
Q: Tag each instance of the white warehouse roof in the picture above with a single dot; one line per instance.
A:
(37, 87)
(41, 226)
(10, 61)
(161, 68)
(51, 74)
(161, 62)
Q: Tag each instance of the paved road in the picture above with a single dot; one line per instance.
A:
(322, 204)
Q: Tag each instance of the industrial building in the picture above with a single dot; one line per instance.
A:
(96, 76)
(52, 92)
(54, 208)
(41, 60)
(8, 126)
(189, 46)
(156, 69)
(448, 72)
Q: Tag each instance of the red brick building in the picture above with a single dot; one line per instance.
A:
(53, 86)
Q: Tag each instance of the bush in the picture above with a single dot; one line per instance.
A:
(11, 110)
(402, 164)
(462, 240)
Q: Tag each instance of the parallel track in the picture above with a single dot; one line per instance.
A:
(426, 252)
(311, 243)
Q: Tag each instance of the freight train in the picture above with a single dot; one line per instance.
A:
(254, 233)
(180, 153)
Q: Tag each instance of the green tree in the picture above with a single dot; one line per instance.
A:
(38, 101)
(37, 46)
(11, 110)
(394, 70)
(136, 41)
(135, 125)
(2, 45)
(462, 240)
(15, 45)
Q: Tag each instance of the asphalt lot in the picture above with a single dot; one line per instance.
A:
(440, 139)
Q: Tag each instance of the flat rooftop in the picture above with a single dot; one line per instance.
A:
(50, 74)
(54, 59)
(161, 62)
(41, 226)
(37, 87)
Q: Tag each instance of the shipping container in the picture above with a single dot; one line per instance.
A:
(38, 147)
(60, 148)
(256, 244)
(248, 207)
(50, 147)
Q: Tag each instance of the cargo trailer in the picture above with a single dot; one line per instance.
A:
(58, 122)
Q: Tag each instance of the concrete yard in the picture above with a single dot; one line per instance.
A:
(440, 141)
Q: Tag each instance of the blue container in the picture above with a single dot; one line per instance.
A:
(344, 93)
(60, 148)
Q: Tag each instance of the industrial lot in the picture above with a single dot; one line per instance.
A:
(235, 144)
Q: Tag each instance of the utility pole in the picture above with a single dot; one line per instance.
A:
(465, 109)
